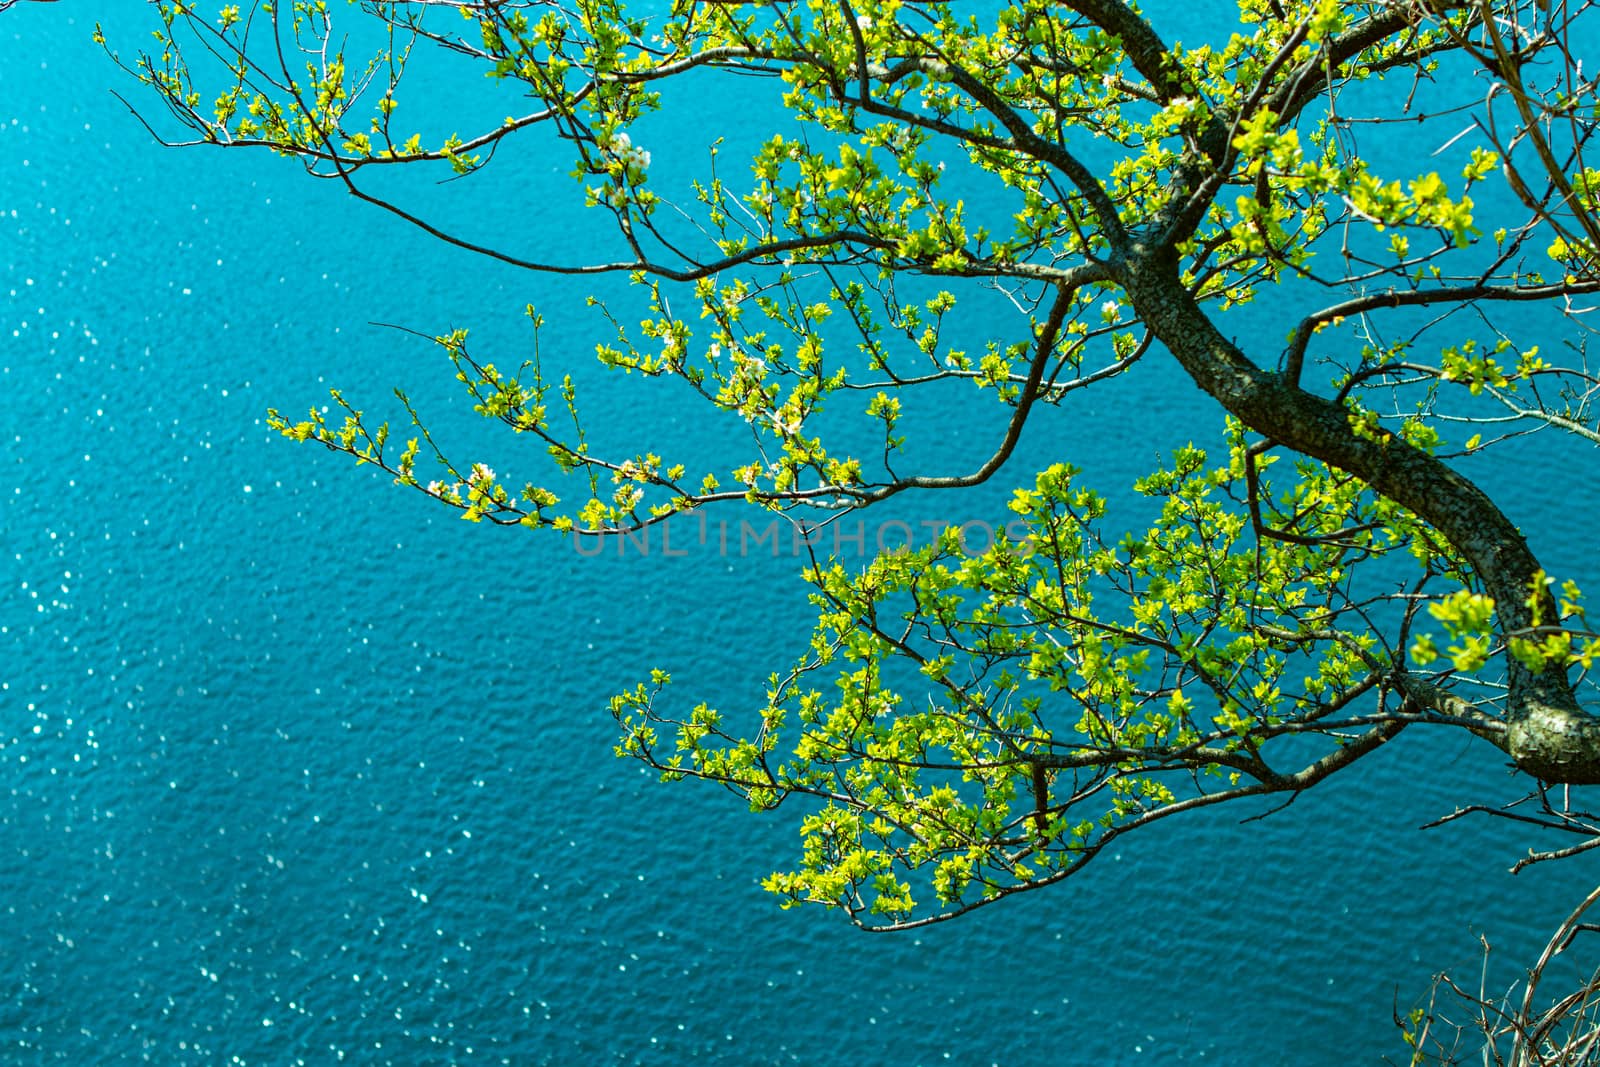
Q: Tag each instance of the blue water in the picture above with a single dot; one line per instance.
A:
(298, 769)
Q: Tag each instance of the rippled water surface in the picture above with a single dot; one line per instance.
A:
(295, 769)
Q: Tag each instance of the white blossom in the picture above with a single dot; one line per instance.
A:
(621, 145)
(787, 427)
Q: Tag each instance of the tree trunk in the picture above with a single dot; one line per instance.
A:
(1548, 734)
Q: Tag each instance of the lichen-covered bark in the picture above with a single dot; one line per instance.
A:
(1548, 733)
